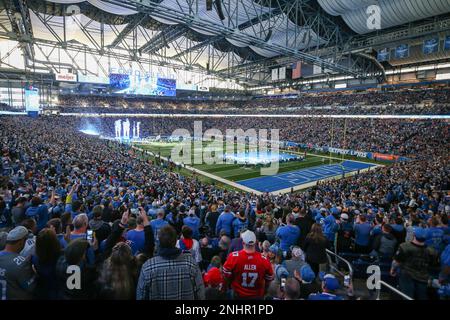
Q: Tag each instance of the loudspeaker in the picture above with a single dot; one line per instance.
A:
(219, 9)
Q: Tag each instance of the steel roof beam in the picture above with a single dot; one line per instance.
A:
(185, 18)
(162, 39)
(127, 30)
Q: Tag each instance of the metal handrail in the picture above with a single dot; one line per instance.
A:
(381, 282)
(349, 265)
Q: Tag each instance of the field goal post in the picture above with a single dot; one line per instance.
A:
(344, 145)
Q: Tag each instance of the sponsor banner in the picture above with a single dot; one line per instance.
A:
(282, 73)
(402, 51)
(203, 88)
(291, 144)
(186, 86)
(430, 46)
(384, 157)
(90, 78)
(274, 74)
(447, 43)
(359, 154)
(384, 54)
(340, 86)
(66, 77)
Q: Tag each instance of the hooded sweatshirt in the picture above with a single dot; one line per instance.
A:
(330, 227)
(385, 244)
(225, 222)
(193, 222)
(288, 236)
(239, 224)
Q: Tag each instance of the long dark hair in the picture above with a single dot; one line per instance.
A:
(119, 273)
(48, 248)
(316, 234)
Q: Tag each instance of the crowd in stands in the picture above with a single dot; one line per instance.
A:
(401, 102)
(406, 102)
(135, 230)
(389, 136)
(7, 107)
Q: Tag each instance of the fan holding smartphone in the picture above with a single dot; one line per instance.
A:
(90, 236)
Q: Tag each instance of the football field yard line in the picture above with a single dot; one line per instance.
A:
(291, 179)
(231, 174)
(206, 174)
(294, 175)
(234, 172)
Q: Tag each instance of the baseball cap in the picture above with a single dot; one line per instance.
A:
(420, 233)
(17, 233)
(344, 216)
(330, 281)
(248, 237)
(307, 274)
(213, 277)
(281, 272)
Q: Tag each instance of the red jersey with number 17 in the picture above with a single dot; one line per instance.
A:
(248, 273)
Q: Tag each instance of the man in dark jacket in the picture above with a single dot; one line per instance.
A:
(101, 228)
(304, 222)
(415, 260)
(385, 244)
(211, 219)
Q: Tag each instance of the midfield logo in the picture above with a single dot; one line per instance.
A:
(252, 147)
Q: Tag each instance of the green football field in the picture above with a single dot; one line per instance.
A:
(236, 172)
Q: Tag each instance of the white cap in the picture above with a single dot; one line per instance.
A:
(344, 216)
(248, 237)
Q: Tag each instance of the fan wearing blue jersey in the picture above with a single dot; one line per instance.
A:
(288, 234)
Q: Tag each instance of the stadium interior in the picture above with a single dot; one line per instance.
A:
(234, 150)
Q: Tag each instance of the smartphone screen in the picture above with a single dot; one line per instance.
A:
(89, 236)
(283, 283)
